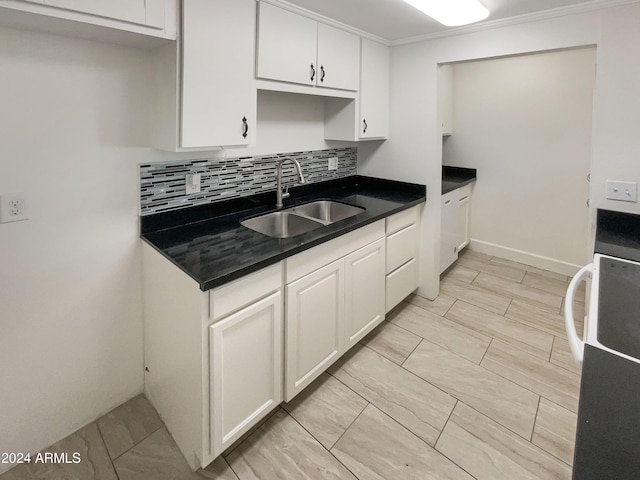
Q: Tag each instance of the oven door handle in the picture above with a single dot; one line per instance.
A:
(577, 345)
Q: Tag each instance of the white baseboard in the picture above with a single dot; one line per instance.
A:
(546, 263)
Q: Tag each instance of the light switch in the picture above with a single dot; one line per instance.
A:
(623, 191)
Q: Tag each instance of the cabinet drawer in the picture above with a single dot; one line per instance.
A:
(401, 282)
(465, 191)
(237, 294)
(401, 220)
(402, 246)
(316, 257)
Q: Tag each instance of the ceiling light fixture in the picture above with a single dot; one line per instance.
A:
(452, 13)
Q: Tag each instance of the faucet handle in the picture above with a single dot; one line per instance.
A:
(286, 193)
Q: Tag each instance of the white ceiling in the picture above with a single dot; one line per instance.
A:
(395, 20)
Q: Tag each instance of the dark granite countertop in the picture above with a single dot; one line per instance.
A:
(608, 434)
(208, 243)
(618, 234)
(456, 177)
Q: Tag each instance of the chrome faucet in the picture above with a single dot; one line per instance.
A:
(279, 194)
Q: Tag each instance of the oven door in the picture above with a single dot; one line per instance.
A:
(613, 318)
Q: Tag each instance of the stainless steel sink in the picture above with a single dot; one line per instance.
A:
(327, 211)
(301, 219)
(283, 224)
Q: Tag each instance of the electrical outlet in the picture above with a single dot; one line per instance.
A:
(624, 191)
(13, 208)
(192, 183)
(333, 163)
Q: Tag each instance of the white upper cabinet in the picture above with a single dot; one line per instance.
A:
(218, 86)
(206, 96)
(143, 12)
(374, 90)
(366, 117)
(287, 46)
(296, 49)
(338, 58)
(153, 22)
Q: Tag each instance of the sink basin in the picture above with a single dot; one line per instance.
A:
(327, 211)
(281, 224)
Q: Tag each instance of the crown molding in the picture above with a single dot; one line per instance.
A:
(326, 20)
(519, 19)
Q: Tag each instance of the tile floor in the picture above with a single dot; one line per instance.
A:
(476, 384)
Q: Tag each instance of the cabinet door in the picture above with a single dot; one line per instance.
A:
(144, 12)
(287, 45)
(449, 230)
(364, 291)
(464, 220)
(246, 369)
(218, 86)
(338, 58)
(315, 326)
(374, 90)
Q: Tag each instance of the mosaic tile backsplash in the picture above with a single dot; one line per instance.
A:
(162, 185)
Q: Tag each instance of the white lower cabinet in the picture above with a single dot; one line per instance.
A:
(401, 282)
(217, 362)
(330, 310)
(455, 230)
(449, 237)
(315, 325)
(403, 248)
(334, 297)
(464, 217)
(246, 355)
(364, 291)
(213, 360)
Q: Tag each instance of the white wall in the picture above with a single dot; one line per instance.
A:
(73, 129)
(414, 148)
(290, 122)
(73, 117)
(616, 131)
(525, 123)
